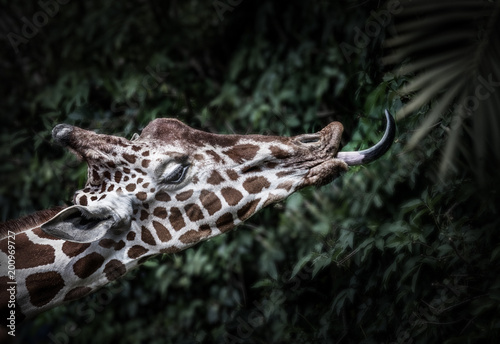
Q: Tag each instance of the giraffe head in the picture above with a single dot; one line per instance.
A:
(174, 186)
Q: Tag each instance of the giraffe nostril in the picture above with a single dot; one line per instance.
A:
(312, 138)
(61, 133)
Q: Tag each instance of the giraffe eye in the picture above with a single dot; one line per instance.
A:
(178, 175)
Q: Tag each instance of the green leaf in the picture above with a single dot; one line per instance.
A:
(300, 264)
(495, 254)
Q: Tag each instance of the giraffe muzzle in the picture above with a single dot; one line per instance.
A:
(85, 144)
(62, 133)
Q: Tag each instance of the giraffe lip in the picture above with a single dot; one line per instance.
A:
(325, 171)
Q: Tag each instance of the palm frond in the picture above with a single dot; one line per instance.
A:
(452, 52)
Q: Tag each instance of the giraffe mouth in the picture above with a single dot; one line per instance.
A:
(324, 162)
(85, 144)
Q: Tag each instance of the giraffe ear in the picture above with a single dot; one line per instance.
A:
(80, 224)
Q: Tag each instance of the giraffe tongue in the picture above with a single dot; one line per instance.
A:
(375, 152)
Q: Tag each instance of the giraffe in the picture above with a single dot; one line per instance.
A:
(160, 192)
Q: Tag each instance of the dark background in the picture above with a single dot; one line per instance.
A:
(403, 250)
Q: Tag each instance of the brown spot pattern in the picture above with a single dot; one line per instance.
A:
(131, 236)
(136, 251)
(172, 249)
(43, 287)
(285, 185)
(160, 212)
(130, 187)
(210, 201)
(279, 153)
(205, 227)
(86, 266)
(162, 232)
(248, 209)
(193, 212)
(147, 237)
(73, 249)
(232, 174)
(231, 195)
(114, 269)
(162, 196)
(215, 178)
(83, 200)
(255, 184)
(145, 163)
(129, 157)
(183, 196)
(27, 251)
(95, 175)
(176, 219)
(109, 243)
(216, 156)
(142, 196)
(284, 173)
(193, 236)
(225, 222)
(144, 215)
(118, 176)
(241, 153)
(271, 199)
(103, 187)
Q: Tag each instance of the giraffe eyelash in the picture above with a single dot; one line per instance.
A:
(178, 175)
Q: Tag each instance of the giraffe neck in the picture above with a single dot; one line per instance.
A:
(49, 271)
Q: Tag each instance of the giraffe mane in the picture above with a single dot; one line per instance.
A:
(27, 222)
